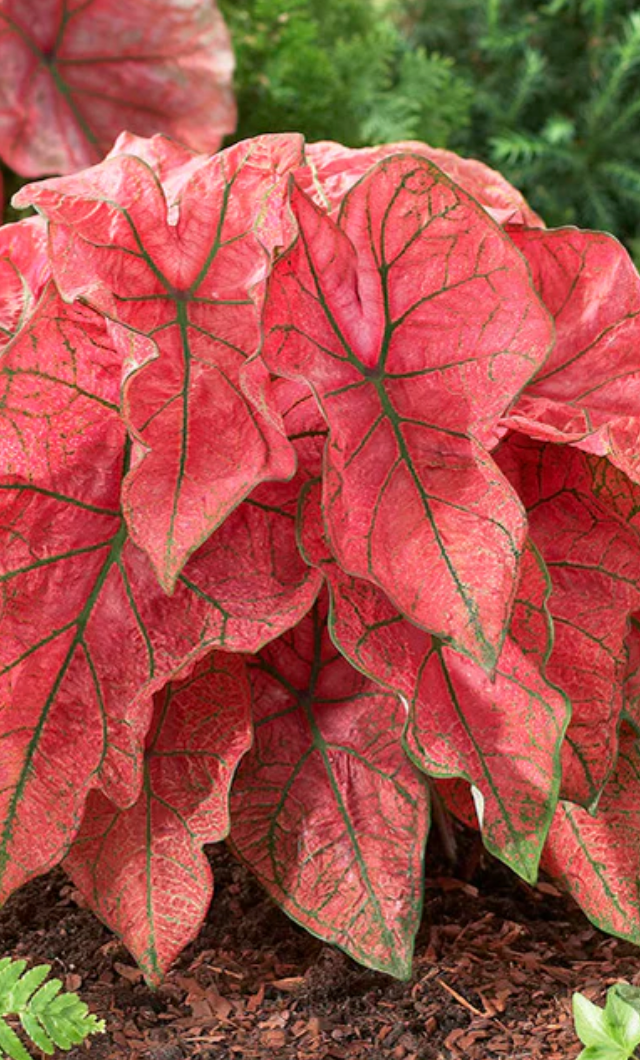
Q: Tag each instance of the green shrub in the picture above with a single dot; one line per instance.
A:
(341, 70)
(555, 99)
(548, 94)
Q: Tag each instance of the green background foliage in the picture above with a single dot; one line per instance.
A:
(340, 70)
(548, 93)
(49, 1017)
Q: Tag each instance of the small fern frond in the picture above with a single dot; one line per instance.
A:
(558, 131)
(624, 60)
(48, 1017)
(531, 75)
(554, 7)
(393, 117)
(624, 179)
(514, 148)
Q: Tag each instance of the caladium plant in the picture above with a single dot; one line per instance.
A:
(318, 494)
(73, 73)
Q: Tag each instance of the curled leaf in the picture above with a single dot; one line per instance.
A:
(336, 169)
(73, 585)
(588, 391)
(24, 271)
(592, 553)
(597, 858)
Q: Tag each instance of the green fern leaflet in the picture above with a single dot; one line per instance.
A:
(49, 1018)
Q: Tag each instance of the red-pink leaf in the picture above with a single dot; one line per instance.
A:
(598, 858)
(173, 163)
(593, 557)
(175, 277)
(86, 634)
(78, 589)
(462, 801)
(73, 74)
(503, 734)
(326, 809)
(24, 270)
(304, 425)
(338, 168)
(60, 384)
(632, 676)
(588, 392)
(415, 324)
(143, 870)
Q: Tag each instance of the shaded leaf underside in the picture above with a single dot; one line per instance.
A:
(592, 553)
(598, 858)
(587, 392)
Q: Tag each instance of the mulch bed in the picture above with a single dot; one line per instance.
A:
(496, 964)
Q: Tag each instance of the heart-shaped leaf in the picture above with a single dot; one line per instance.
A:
(72, 75)
(336, 169)
(173, 267)
(24, 271)
(593, 557)
(326, 809)
(83, 620)
(598, 857)
(588, 391)
(142, 869)
(415, 323)
(503, 734)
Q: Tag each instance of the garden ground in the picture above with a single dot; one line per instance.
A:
(496, 964)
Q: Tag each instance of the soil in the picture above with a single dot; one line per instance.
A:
(496, 963)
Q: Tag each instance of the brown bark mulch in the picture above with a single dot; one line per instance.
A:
(496, 964)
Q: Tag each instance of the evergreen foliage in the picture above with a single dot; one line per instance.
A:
(49, 1018)
(556, 99)
(341, 70)
(549, 94)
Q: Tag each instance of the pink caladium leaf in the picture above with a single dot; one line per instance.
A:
(503, 734)
(175, 279)
(143, 870)
(73, 74)
(73, 585)
(60, 384)
(632, 676)
(461, 801)
(588, 392)
(597, 858)
(173, 163)
(593, 556)
(326, 809)
(414, 322)
(24, 271)
(335, 169)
